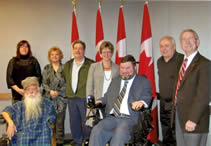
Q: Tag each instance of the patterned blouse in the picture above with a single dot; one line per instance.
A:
(54, 81)
(34, 132)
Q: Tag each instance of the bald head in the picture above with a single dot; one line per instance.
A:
(167, 47)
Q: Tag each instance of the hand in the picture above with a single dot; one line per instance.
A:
(137, 105)
(190, 126)
(53, 94)
(11, 130)
(98, 102)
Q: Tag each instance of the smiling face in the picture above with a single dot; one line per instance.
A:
(78, 51)
(55, 57)
(127, 70)
(106, 54)
(24, 50)
(189, 43)
(167, 48)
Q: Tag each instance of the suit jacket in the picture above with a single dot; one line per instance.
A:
(193, 95)
(140, 90)
(95, 78)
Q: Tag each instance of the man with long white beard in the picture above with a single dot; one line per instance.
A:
(29, 120)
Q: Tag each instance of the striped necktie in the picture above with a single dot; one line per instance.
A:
(119, 100)
(181, 75)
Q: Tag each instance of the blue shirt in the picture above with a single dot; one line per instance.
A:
(34, 132)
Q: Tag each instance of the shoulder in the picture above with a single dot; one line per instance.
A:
(159, 60)
(88, 60)
(68, 63)
(47, 67)
(141, 79)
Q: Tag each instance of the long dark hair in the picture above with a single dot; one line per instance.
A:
(21, 43)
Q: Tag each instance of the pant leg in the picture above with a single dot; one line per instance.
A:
(169, 136)
(75, 121)
(103, 131)
(195, 139)
(82, 108)
(122, 131)
(60, 117)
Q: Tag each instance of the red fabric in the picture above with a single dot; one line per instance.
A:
(146, 68)
(121, 35)
(75, 35)
(99, 34)
(181, 74)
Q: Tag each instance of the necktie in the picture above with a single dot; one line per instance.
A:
(181, 75)
(119, 100)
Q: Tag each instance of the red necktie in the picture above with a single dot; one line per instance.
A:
(181, 74)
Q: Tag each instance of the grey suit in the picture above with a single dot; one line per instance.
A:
(95, 79)
(117, 129)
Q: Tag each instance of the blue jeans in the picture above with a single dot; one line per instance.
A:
(77, 112)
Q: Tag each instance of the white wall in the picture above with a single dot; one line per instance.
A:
(46, 23)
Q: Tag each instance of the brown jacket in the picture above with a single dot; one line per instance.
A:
(193, 95)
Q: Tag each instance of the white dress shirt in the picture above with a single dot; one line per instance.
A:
(75, 70)
(190, 58)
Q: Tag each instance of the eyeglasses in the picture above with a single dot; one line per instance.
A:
(106, 52)
(189, 39)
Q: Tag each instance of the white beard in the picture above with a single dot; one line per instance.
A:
(33, 106)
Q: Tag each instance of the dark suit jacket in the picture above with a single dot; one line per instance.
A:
(193, 95)
(140, 90)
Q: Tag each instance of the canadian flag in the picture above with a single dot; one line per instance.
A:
(121, 37)
(146, 67)
(99, 34)
(75, 34)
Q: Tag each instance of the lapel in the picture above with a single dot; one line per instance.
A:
(190, 68)
(113, 70)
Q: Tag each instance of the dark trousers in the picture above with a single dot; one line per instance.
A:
(60, 117)
(77, 112)
(169, 136)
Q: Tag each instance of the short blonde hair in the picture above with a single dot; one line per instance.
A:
(56, 49)
(107, 44)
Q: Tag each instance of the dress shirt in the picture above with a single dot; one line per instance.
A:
(75, 70)
(107, 81)
(124, 105)
(190, 58)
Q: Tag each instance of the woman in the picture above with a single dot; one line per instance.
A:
(19, 67)
(100, 74)
(54, 88)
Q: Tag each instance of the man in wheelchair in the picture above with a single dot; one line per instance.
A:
(125, 96)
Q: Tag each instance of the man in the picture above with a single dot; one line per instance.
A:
(29, 120)
(126, 94)
(191, 94)
(76, 72)
(167, 76)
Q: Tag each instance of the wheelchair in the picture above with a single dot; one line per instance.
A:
(138, 133)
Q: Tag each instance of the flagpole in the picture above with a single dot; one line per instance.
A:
(74, 3)
(100, 2)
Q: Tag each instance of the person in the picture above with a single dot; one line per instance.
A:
(100, 76)
(167, 76)
(126, 94)
(29, 120)
(19, 67)
(191, 97)
(54, 88)
(75, 73)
